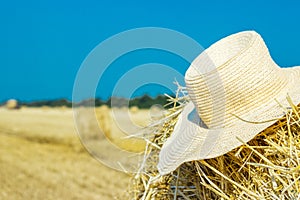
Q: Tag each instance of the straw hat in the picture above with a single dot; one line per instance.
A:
(231, 85)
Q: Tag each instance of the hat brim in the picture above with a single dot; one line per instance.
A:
(192, 140)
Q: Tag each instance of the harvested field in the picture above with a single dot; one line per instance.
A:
(41, 157)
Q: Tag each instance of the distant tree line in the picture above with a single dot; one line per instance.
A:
(141, 102)
(50, 103)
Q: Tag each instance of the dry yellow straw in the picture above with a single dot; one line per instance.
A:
(267, 167)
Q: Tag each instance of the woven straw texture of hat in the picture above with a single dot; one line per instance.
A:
(232, 83)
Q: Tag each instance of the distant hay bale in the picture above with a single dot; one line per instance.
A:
(103, 114)
(103, 108)
(63, 108)
(12, 104)
(45, 108)
(267, 167)
(134, 109)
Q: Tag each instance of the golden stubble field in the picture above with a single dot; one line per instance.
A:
(41, 156)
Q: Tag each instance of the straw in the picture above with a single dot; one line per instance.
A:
(267, 167)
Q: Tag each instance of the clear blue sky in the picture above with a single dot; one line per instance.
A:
(43, 43)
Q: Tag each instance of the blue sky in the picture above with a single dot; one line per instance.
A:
(43, 43)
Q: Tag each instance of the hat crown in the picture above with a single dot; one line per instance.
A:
(233, 76)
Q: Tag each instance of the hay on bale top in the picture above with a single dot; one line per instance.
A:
(267, 167)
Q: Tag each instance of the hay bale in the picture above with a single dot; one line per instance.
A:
(103, 108)
(45, 108)
(134, 109)
(12, 104)
(104, 119)
(267, 167)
